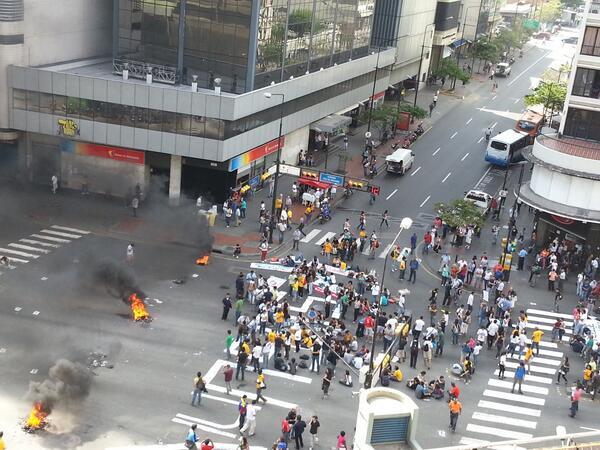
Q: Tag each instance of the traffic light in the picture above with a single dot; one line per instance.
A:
(310, 175)
(353, 184)
(374, 190)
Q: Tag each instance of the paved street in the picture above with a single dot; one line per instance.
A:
(52, 307)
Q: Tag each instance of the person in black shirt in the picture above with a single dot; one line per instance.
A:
(299, 427)
(313, 430)
(227, 305)
(242, 360)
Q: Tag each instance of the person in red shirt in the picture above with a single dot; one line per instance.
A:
(454, 391)
(369, 327)
(207, 444)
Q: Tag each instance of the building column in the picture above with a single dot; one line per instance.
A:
(175, 180)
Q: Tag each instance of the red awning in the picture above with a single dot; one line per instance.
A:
(314, 183)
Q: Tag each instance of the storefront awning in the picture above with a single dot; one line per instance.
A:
(331, 124)
(459, 43)
(349, 108)
(314, 183)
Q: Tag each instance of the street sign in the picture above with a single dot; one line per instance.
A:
(331, 178)
(254, 181)
(288, 169)
(374, 190)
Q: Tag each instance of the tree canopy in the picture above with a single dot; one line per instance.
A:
(550, 95)
(550, 11)
(416, 111)
(460, 213)
(487, 50)
(449, 69)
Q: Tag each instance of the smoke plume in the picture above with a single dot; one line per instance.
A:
(68, 382)
(117, 279)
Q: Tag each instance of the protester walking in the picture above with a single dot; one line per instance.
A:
(249, 426)
(313, 429)
(299, 427)
(519, 377)
(198, 387)
(227, 377)
(191, 438)
(260, 386)
(455, 410)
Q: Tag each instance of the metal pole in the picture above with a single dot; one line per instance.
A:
(418, 80)
(278, 156)
(476, 30)
(373, 95)
(369, 377)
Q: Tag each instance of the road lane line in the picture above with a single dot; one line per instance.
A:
(311, 235)
(204, 428)
(220, 426)
(49, 238)
(390, 196)
(483, 176)
(27, 247)
(469, 121)
(517, 101)
(435, 153)
(480, 139)
(251, 396)
(465, 157)
(43, 244)
(524, 71)
(494, 97)
(415, 172)
(425, 201)
(454, 135)
(494, 125)
(510, 408)
(446, 177)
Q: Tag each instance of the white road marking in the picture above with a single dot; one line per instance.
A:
(544, 327)
(525, 387)
(43, 244)
(475, 443)
(505, 420)
(494, 125)
(480, 139)
(529, 378)
(549, 320)
(61, 234)
(385, 251)
(311, 234)
(446, 177)
(454, 135)
(510, 408)
(425, 201)
(483, 176)
(326, 236)
(469, 121)
(524, 71)
(537, 369)
(390, 196)
(507, 434)
(193, 419)
(48, 238)
(514, 397)
(12, 260)
(517, 101)
(218, 445)
(465, 157)
(252, 396)
(27, 247)
(205, 428)
(415, 172)
(494, 97)
(18, 253)
(545, 352)
(538, 360)
(435, 153)
(541, 312)
(74, 230)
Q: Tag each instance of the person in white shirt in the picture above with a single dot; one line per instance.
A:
(482, 335)
(492, 331)
(470, 300)
(256, 356)
(522, 342)
(400, 304)
(418, 327)
(250, 421)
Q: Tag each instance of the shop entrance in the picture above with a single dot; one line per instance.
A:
(213, 185)
(9, 157)
(45, 162)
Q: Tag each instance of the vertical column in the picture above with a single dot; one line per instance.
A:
(181, 40)
(175, 180)
(252, 45)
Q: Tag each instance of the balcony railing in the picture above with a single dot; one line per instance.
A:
(594, 7)
(571, 146)
(138, 69)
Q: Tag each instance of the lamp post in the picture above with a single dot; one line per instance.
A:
(421, 64)
(373, 94)
(462, 37)
(269, 95)
(405, 224)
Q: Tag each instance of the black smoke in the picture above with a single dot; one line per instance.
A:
(118, 280)
(67, 383)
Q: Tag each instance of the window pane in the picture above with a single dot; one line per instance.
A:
(169, 122)
(155, 119)
(100, 111)
(141, 117)
(214, 128)
(60, 105)
(19, 99)
(183, 124)
(113, 113)
(127, 116)
(45, 103)
(33, 101)
(86, 110)
(198, 123)
(72, 107)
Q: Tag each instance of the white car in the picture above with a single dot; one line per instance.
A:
(503, 69)
(481, 199)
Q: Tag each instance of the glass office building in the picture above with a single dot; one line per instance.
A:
(247, 44)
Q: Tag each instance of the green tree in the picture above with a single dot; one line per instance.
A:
(415, 111)
(550, 11)
(460, 213)
(300, 22)
(270, 52)
(550, 95)
(449, 69)
(486, 50)
(382, 118)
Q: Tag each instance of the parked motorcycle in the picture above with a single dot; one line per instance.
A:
(419, 131)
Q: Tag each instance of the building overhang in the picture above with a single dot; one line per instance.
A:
(527, 153)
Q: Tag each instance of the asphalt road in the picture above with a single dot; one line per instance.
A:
(49, 310)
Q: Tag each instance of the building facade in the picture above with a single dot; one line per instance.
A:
(565, 181)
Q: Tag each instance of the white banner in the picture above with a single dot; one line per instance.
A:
(289, 170)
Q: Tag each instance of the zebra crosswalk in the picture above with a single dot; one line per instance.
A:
(501, 414)
(39, 244)
(318, 237)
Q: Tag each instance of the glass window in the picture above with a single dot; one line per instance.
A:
(100, 112)
(113, 113)
(72, 107)
(33, 101)
(169, 122)
(86, 109)
(582, 124)
(214, 128)
(198, 123)
(587, 83)
(127, 116)
(183, 124)
(141, 117)
(45, 103)
(155, 119)
(19, 99)
(59, 106)
(591, 42)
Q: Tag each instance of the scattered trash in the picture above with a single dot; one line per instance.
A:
(179, 281)
(96, 359)
(18, 308)
(33, 371)
(44, 278)
(158, 301)
(195, 275)
(35, 313)
(2, 350)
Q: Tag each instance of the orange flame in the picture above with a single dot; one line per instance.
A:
(37, 417)
(202, 261)
(138, 308)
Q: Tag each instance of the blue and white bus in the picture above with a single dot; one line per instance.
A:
(504, 147)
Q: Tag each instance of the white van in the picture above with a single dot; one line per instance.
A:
(481, 199)
(400, 161)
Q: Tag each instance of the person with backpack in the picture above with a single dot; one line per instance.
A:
(199, 387)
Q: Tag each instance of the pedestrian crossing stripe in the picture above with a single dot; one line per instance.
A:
(504, 420)
(507, 434)
(532, 368)
(181, 446)
(524, 387)
(28, 247)
(541, 312)
(548, 320)
(509, 408)
(18, 253)
(328, 235)
(49, 238)
(520, 398)
(547, 353)
(544, 344)
(480, 443)
(544, 327)
(311, 235)
(60, 233)
(229, 426)
(204, 428)
(530, 378)
(538, 360)
(12, 259)
(74, 230)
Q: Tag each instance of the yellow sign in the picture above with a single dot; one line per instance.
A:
(68, 127)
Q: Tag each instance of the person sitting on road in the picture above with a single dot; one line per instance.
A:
(280, 363)
(422, 391)
(397, 375)
(347, 380)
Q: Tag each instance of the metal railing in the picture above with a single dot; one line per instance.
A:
(139, 69)
(571, 146)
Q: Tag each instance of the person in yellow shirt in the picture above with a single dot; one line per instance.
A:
(271, 336)
(398, 376)
(2, 445)
(536, 337)
(327, 248)
(308, 342)
(245, 347)
(279, 319)
(587, 377)
(528, 357)
(260, 386)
